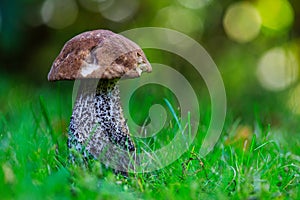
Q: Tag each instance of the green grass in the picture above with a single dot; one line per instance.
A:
(250, 161)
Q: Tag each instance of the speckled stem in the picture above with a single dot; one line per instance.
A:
(98, 126)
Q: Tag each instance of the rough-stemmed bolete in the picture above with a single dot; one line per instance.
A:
(99, 59)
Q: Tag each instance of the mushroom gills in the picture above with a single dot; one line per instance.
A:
(97, 124)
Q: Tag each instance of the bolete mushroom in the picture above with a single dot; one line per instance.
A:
(99, 59)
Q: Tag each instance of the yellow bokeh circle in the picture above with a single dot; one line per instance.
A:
(242, 22)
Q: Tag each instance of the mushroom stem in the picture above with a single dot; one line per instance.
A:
(97, 124)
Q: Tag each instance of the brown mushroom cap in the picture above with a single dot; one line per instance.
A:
(99, 54)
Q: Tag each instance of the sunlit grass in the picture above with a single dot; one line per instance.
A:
(249, 161)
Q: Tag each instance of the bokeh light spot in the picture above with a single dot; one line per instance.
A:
(118, 11)
(96, 5)
(293, 102)
(179, 19)
(59, 13)
(276, 15)
(194, 4)
(242, 22)
(277, 69)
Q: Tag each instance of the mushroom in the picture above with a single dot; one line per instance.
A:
(99, 59)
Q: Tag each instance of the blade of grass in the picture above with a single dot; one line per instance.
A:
(189, 127)
(45, 114)
(251, 148)
(264, 144)
(59, 107)
(173, 113)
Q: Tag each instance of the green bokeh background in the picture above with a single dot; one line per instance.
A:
(29, 43)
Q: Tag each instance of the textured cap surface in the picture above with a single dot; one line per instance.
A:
(99, 54)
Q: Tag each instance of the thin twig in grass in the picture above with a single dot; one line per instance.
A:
(185, 165)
